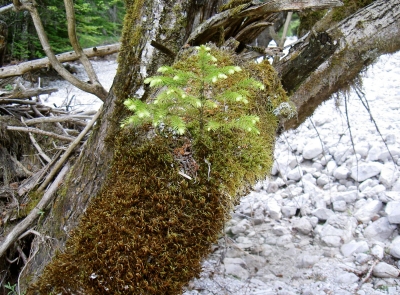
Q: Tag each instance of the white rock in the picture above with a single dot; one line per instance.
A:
(374, 153)
(367, 183)
(288, 211)
(393, 211)
(378, 251)
(341, 172)
(312, 149)
(349, 196)
(303, 225)
(347, 278)
(394, 248)
(362, 258)
(284, 164)
(365, 171)
(295, 174)
(273, 208)
(272, 187)
(241, 227)
(342, 153)
(384, 155)
(307, 260)
(384, 270)
(339, 206)
(325, 159)
(236, 270)
(389, 175)
(354, 247)
(396, 185)
(322, 213)
(280, 230)
(362, 148)
(368, 210)
(379, 230)
(330, 167)
(374, 191)
(323, 179)
(393, 196)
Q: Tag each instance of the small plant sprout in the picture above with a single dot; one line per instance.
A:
(194, 98)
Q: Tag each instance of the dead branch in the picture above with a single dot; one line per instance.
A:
(28, 93)
(72, 119)
(29, 183)
(39, 131)
(6, 8)
(35, 213)
(65, 156)
(24, 67)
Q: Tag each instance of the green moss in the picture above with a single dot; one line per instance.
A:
(150, 227)
(349, 7)
(232, 4)
(308, 18)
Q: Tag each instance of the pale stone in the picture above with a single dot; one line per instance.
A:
(394, 248)
(389, 175)
(354, 247)
(341, 172)
(373, 153)
(323, 179)
(339, 206)
(379, 230)
(322, 213)
(368, 210)
(303, 225)
(384, 270)
(312, 149)
(347, 278)
(237, 271)
(364, 171)
(307, 260)
(295, 174)
(393, 212)
(273, 209)
(378, 251)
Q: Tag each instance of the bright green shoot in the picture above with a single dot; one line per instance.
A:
(190, 98)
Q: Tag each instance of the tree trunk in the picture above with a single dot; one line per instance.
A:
(170, 25)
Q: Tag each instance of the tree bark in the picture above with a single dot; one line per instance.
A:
(149, 20)
(330, 61)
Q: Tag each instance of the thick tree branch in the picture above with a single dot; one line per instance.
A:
(318, 70)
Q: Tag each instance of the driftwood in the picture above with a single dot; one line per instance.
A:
(26, 93)
(24, 67)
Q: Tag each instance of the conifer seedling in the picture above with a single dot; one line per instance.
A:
(188, 98)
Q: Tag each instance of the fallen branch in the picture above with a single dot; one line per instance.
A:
(72, 119)
(34, 214)
(65, 156)
(39, 131)
(28, 93)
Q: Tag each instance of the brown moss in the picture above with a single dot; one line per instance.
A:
(149, 229)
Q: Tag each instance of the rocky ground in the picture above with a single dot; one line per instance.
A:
(327, 219)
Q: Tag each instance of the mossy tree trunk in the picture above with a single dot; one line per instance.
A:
(170, 23)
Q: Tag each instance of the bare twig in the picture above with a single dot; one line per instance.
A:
(34, 214)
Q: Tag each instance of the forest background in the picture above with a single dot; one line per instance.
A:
(98, 23)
